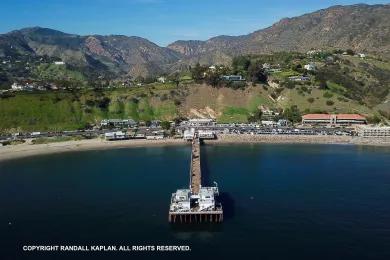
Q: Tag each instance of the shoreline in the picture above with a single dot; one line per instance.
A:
(28, 150)
(298, 139)
(10, 152)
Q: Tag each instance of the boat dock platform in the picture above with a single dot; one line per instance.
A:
(197, 204)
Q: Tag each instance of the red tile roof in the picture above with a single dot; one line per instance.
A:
(328, 116)
(316, 116)
(350, 117)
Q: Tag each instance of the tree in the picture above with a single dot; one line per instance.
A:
(350, 52)
(175, 78)
(256, 73)
(198, 72)
(255, 117)
(241, 63)
(213, 79)
(288, 84)
(140, 79)
(293, 114)
(165, 125)
(323, 85)
(329, 103)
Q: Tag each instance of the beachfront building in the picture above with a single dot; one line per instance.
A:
(283, 123)
(180, 201)
(268, 123)
(334, 119)
(112, 136)
(154, 137)
(207, 198)
(201, 122)
(205, 134)
(189, 134)
(374, 131)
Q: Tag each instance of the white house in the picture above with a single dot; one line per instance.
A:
(266, 66)
(361, 55)
(59, 63)
(310, 67)
(233, 78)
(162, 79)
(16, 87)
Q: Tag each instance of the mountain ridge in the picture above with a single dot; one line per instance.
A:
(333, 27)
(361, 27)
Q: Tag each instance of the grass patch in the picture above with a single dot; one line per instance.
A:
(335, 87)
(257, 100)
(234, 114)
(284, 74)
(327, 95)
(165, 111)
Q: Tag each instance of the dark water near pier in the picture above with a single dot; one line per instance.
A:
(281, 202)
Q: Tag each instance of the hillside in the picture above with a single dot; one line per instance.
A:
(115, 54)
(363, 28)
(101, 75)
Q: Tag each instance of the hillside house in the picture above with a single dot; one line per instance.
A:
(233, 78)
(310, 67)
(162, 79)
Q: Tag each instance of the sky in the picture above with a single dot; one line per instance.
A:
(161, 21)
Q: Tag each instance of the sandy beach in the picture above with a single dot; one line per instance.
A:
(27, 149)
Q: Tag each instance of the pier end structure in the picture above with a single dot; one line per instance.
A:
(196, 204)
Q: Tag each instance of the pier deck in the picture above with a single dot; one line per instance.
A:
(195, 172)
(196, 204)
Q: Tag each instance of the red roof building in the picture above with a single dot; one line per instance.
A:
(333, 119)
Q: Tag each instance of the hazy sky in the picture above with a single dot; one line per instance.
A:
(161, 21)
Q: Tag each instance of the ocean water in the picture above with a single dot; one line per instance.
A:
(280, 202)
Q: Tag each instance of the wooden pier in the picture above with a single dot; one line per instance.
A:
(195, 171)
(196, 217)
(197, 204)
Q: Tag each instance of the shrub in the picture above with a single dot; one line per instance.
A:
(328, 95)
(164, 97)
(165, 125)
(329, 103)
(310, 100)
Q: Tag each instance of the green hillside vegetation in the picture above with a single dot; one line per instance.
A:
(75, 110)
(345, 85)
(52, 72)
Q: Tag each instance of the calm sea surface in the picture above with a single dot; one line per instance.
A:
(280, 202)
